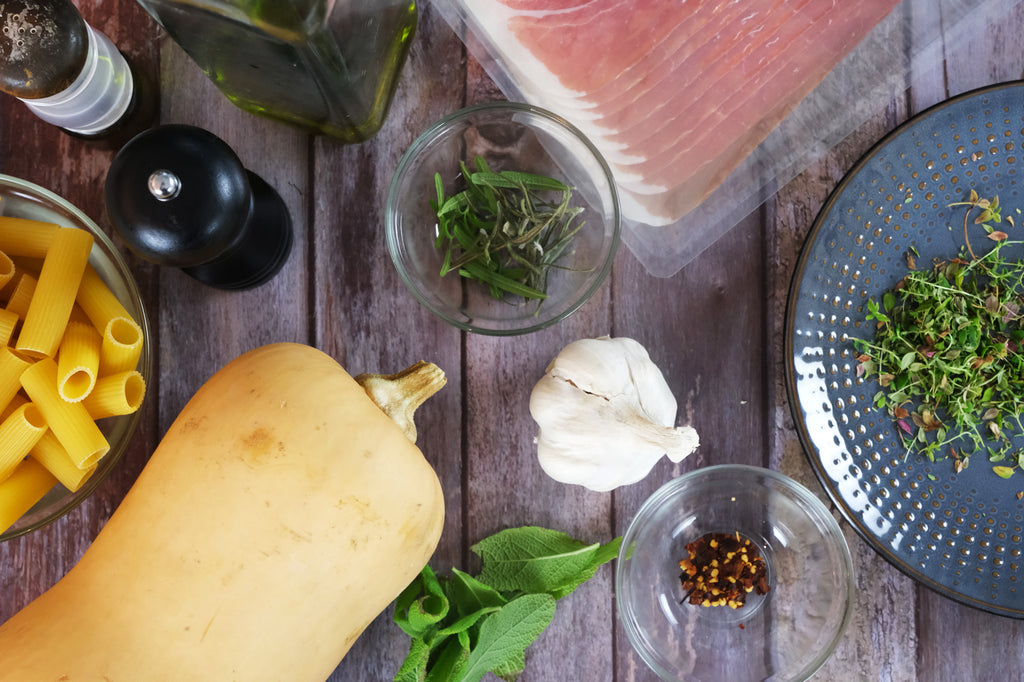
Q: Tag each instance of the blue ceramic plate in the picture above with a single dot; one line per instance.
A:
(959, 534)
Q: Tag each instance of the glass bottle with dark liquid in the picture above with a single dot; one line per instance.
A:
(329, 66)
(67, 73)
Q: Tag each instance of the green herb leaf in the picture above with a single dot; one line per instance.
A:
(1003, 472)
(505, 229)
(505, 635)
(533, 559)
(947, 350)
(421, 604)
(483, 627)
(450, 663)
(414, 668)
(470, 595)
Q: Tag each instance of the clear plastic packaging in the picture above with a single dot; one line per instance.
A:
(859, 86)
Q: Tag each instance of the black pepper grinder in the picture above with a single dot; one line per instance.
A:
(178, 195)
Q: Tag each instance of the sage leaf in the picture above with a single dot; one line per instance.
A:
(450, 663)
(426, 611)
(505, 635)
(470, 595)
(533, 559)
(414, 668)
(464, 626)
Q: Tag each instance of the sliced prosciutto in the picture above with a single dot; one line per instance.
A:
(675, 93)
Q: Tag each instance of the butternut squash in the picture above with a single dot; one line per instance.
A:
(280, 514)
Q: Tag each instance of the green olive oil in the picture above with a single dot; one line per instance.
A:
(329, 66)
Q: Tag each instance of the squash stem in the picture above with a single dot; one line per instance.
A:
(400, 394)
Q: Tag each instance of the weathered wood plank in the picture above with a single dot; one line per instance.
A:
(716, 374)
(365, 317)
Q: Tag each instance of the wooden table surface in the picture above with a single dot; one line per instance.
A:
(715, 329)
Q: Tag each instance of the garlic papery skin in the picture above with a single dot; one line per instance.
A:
(606, 415)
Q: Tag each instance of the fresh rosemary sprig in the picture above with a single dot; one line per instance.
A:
(947, 352)
(506, 229)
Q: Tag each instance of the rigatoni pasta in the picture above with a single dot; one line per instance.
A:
(22, 489)
(98, 301)
(52, 455)
(25, 237)
(57, 308)
(78, 361)
(55, 293)
(70, 422)
(21, 297)
(8, 322)
(115, 395)
(12, 365)
(19, 433)
(7, 269)
(121, 346)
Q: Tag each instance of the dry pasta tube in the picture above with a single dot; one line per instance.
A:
(21, 296)
(122, 346)
(8, 321)
(24, 237)
(26, 486)
(115, 395)
(55, 293)
(19, 433)
(52, 455)
(78, 361)
(11, 367)
(97, 300)
(70, 422)
(29, 265)
(78, 315)
(7, 269)
(15, 403)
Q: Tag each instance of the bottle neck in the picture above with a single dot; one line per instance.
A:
(98, 97)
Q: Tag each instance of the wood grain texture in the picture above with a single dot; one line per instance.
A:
(715, 328)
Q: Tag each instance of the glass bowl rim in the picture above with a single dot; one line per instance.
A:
(743, 474)
(109, 461)
(424, 139)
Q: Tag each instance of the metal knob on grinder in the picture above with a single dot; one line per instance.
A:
(178, 195)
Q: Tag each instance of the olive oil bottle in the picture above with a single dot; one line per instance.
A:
(329, 66)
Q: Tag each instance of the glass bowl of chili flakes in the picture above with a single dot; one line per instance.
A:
(734, 572)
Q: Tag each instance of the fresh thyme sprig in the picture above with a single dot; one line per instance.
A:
(947, 351)
(506, 229)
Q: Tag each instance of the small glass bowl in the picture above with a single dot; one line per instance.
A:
(509, 136)
(788, 633)
(22, 199)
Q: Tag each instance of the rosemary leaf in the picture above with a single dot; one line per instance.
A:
(505, 229)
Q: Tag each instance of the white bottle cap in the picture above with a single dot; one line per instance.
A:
(97, 99)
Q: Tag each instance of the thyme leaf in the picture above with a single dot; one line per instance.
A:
(948, 351)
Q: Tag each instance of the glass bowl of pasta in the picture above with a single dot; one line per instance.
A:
(74, 357)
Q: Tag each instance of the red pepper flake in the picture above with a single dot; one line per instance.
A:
(721, 570)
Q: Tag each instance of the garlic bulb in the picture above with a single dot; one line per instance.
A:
(606, 415)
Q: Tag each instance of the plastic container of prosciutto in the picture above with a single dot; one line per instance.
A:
(704, 110)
